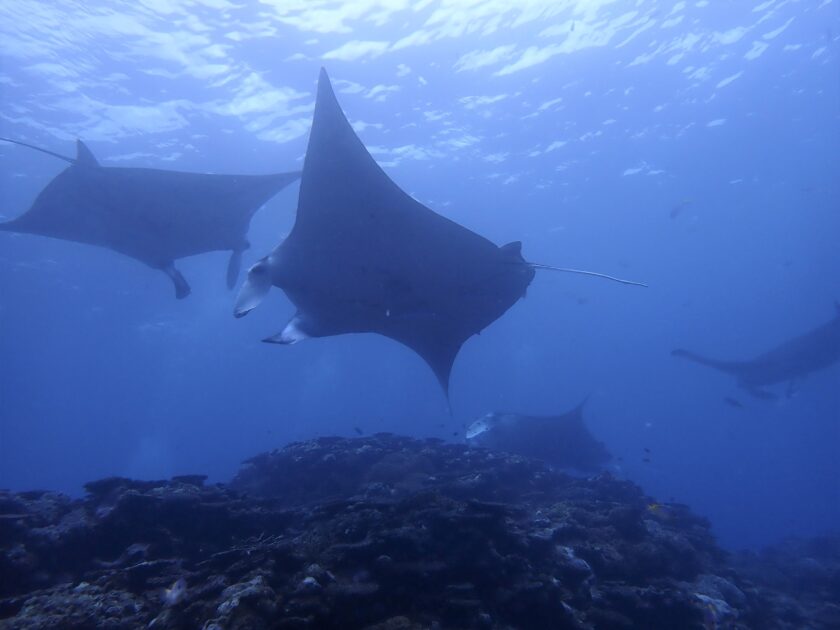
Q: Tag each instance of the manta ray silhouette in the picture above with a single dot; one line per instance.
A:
(563, 441)
(363, 256)
(152, 215)
(814, 350)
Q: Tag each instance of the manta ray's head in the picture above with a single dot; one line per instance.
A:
(256, 287)
(479, 431)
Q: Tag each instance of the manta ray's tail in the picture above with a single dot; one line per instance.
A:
(42, 150)
(732, 367)
(587, 273)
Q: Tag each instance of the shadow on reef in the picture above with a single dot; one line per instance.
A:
(388, 532)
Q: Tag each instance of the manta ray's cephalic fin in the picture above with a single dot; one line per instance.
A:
(296, 330)
(182, 288)
(256, 286)
(234, 265)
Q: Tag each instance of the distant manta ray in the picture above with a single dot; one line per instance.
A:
(814, 350)
(363, 256)
(562, 441)
(151, 215)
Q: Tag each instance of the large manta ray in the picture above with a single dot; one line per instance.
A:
(814, 350)
(152, 215)
(363, 256)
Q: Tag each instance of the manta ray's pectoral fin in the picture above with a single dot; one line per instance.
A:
(441, 363)
(234, 264)
(438, 350)
(256, 287)
(182, 288)
(296, 330)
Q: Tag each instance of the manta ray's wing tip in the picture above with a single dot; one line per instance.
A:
(325, 90)
(323, 80)
(442, 371)
(444, 385)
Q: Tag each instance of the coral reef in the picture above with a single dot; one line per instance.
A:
(387, 532)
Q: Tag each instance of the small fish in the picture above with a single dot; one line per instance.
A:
(733, 402)
(358, 430)
(646, 460)
(175, 593)
(654, 507)
(454, 434)
(647, 450)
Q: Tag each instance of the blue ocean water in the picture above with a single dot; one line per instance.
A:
(690, 145)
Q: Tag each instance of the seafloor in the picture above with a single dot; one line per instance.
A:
(387, 532)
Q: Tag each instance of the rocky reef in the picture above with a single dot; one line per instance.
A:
(387, 532)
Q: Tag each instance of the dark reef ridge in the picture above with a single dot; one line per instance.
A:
(388, 532)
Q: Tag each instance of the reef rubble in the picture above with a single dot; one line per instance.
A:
(391, 533)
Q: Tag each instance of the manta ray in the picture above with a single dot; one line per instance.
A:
(365, 257)
(814, 350)
(151, 215)
(562, 441)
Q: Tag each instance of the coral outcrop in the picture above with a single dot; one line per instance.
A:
(387, 532)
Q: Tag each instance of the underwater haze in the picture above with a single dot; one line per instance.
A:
(692, 146)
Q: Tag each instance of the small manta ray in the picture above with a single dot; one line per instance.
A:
(151, 215)
(562, 441)
(363, 256)
(809, 352)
